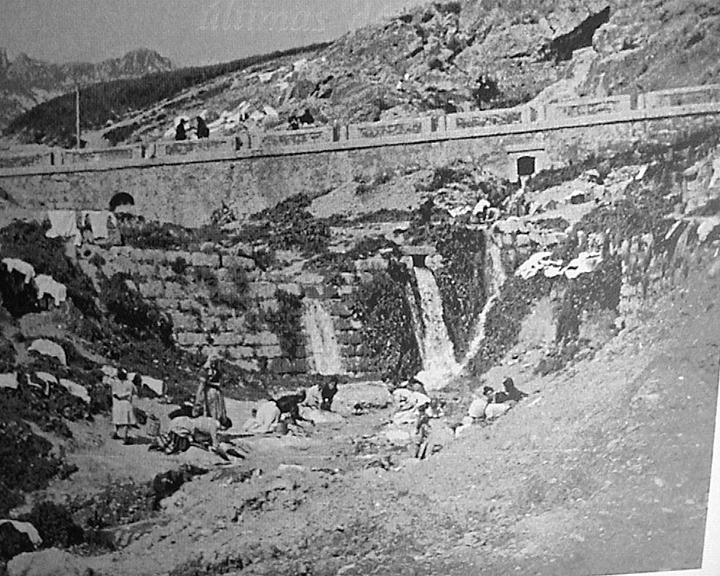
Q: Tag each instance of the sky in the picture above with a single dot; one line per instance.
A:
(189, 32)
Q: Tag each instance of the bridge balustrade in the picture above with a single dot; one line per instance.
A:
(193, 147)
(588, 107)
(484, 119)
(683, 96)
(300, 137)
(615, 108)
(26, 160)
(100, 156)
(405, 127)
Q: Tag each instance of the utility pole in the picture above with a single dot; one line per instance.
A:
(77, 116)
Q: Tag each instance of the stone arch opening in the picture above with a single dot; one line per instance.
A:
(526, 166)
(121, 199)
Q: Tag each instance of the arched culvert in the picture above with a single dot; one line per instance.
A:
(526, 165)
(121, 199)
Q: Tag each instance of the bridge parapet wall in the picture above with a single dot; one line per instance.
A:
(379, 130)
(500, 117)
(101, 156)
(192, 147)
(616, 105)
(300, 137)
(8, 161)
(531, 117)
(683, 96)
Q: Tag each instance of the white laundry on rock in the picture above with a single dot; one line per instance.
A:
(75, 389)
(47, 285)
(9, 381)
(48, 348)
(477, 407)
(17, 265)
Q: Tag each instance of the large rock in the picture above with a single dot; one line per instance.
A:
(50, 562)
(364, 395)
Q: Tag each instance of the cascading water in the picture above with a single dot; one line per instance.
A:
(496, 277)
(439, 363)
(324, 346)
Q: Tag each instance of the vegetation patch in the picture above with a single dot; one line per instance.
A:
(28, 462)
(382, 307)
(27, 241)
(504, 319)
(286, 323)
(288, 225)
(141, 319)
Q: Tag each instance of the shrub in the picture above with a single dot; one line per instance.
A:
(141, 319)
(27, 241)
(381, 305)
(26, 457)
(286, 323)
(55, 525)
(179, 265)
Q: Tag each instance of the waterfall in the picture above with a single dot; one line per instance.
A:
(324, 347)
(439, 363)
(496, 277)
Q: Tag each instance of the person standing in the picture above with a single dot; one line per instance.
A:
(123, 413)
(209, 399)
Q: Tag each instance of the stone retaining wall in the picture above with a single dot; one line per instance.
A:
(174, 281)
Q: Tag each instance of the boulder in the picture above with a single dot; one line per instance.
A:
(364, 395)
(50, 562)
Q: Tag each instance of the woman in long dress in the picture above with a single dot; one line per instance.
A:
(123, 414)
(209, 400)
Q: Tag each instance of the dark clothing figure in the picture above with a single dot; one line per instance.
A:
(290, 405)
(512, 393)
(180, 133)
(202, 130)
(327, 391)
(306, 118)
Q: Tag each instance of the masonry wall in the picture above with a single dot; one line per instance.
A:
(197, 311)
(185, 182)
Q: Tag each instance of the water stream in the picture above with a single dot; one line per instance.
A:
(325, 350)
(439, 364)
(495, 278)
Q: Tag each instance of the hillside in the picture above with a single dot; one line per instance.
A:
(603, 468)
(26, 82)
(445, 57)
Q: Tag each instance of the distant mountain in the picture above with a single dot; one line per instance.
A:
(26, 82)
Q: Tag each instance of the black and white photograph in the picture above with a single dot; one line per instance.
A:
(359, 287)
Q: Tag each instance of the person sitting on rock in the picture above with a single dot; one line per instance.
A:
(202, 129)
(180, 133)
(511, 392)
(327, 392)
(290, 404)
(497, 406)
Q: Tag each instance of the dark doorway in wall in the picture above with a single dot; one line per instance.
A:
(526, 165)
(121, 199)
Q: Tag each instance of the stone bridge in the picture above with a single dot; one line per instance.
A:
(185, 182)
